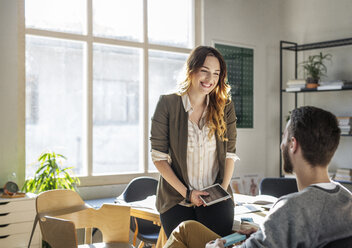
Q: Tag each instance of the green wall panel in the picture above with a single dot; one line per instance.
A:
(239, 61)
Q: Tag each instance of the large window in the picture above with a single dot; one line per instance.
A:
(94, 72)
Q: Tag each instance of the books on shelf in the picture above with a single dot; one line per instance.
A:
(296, 82)
(343, 174)
(295, 85)
(345, 123)
(344, 120)
(332, 84)
(329, 87)
(289, 89)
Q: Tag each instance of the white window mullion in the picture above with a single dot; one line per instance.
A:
(169, 48)
(111, 41)
(55, 34)
(88, 90)
(144, 92)
(198, 26)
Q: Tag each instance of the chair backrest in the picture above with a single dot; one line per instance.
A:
(59, 232)
(58, 199)
(139, 189)
(60, 209)
(340, 243)
(277, 186)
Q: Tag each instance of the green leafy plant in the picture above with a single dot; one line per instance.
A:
(315, 67)
(51, 175)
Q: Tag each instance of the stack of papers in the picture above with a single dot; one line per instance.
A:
(264, 199)
(247, 208)
(148, 203)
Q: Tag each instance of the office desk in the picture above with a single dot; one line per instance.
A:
(258, 216)
(149, 212)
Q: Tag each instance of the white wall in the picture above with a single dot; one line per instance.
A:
(262, 24)
(12, 113)
(322, 20)
(255, 24)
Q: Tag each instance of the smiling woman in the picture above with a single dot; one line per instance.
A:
(193, 139)
(207, 76)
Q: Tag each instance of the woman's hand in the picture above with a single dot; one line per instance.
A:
(218, 243)
(195, 199)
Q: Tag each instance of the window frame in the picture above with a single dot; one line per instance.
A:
(87, 87)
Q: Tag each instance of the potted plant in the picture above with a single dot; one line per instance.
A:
(50, 175)
(315, 68)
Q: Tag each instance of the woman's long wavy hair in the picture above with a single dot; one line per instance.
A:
(218, 97)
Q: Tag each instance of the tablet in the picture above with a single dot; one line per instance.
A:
(233, 239)
(216, 194)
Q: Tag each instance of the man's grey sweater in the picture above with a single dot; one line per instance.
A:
(310, 218)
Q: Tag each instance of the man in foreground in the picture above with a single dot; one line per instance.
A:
(319, 213)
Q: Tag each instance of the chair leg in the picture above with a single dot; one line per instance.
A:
(135, 233)
(141, 244)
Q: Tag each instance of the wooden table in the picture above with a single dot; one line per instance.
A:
(258, 216)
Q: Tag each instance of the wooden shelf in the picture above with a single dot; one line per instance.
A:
(306, 90)
(318, 45)
(294, 47)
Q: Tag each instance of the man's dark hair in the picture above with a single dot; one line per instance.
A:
(317, 132)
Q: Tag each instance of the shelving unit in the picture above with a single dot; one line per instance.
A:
(294, 47)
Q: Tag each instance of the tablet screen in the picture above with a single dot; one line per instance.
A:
(216, 194)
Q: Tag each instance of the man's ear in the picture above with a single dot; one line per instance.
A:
(293, 146)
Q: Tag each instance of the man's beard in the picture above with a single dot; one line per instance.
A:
(288, 167)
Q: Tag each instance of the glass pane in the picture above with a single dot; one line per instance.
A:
(116, 126)
(165, 70)
(56, 15)
(170, 22)
(118, 19)
(54, 79)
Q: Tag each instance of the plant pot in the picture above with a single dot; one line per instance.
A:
(311, 85)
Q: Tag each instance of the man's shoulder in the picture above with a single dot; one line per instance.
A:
(293, 200)
(311, 195)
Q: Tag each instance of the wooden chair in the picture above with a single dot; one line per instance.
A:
(61, 212)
